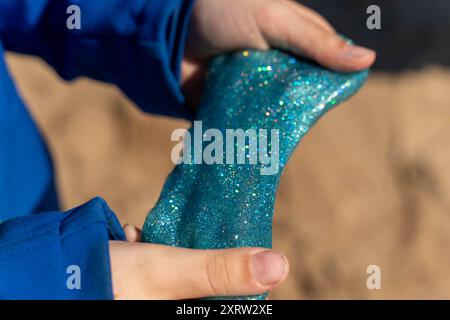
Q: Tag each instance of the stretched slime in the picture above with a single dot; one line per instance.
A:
(216, 206)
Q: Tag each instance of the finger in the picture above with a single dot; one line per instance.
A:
(312, 15)
(192, 81)
(132, 233)
(186, 274)
(293, 31)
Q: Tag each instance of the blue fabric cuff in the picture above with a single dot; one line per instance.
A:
(59, 255)
(137, 45)
(169, 22)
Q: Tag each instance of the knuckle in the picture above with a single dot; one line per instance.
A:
(326, 49)
(269, 11)
(218, 271)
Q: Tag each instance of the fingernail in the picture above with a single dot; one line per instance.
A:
(269, 267)
(352, 51)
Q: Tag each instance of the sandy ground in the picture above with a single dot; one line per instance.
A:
(370, 185)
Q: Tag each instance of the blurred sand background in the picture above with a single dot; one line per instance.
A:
(369, 185)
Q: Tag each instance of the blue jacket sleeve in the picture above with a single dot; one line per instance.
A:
(135, 44)
(59, 255)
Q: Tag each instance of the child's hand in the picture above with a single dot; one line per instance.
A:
(219, 26)
(148, 271)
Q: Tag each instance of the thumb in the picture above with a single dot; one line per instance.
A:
(298, 32)
(185, 273)
(234, 272)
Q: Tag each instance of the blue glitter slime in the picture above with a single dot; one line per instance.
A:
(231, 205)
